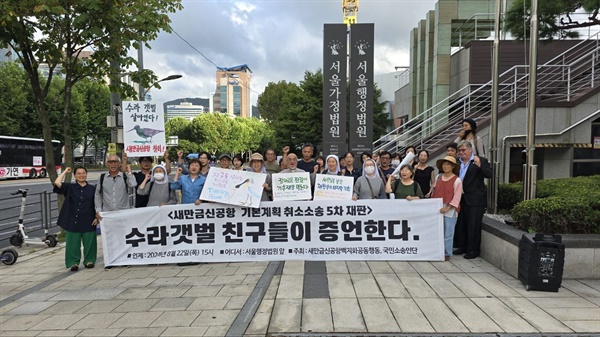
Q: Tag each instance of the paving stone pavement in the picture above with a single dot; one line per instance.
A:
(39, 297)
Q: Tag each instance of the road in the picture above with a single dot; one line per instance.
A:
(10, 206)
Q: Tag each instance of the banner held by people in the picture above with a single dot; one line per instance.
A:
(276, 231)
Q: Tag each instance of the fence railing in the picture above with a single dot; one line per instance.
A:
(41, 211)
(559, 80)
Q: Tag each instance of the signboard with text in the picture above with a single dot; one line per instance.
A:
(332, 187)
(233, 187)
(276, 231)
(291, 186)
(143, 128)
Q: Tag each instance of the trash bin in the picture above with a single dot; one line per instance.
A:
(541, 261)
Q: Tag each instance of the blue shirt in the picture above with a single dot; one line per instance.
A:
(464, 167)
(190, 190)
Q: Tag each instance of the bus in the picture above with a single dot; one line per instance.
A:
(25, 157)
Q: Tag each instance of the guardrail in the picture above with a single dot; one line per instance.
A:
(41, 211)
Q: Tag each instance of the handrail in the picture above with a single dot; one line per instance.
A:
(505, 138)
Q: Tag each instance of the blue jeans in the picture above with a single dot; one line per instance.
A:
(449, 224)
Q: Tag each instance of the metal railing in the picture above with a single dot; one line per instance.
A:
(559, 80)
(41, 211)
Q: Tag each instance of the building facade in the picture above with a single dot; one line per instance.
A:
(232, 93)
(186, 110)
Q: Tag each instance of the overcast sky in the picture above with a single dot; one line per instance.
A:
(278, 40)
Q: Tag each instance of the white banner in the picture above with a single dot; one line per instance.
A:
(291, 186)
(306, 230)
(233, 187)
(329, 187)
(144, 126)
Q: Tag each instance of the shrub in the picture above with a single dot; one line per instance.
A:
(509, 195)
(569, 206)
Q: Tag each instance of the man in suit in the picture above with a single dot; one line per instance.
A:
(473, 170)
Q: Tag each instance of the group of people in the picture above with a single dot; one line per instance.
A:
(459, 182)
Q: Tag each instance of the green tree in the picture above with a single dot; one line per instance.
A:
(96, 100)
(57, 33)
(554, 18)
(13, 99)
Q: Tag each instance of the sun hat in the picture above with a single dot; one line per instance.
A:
(449, 159)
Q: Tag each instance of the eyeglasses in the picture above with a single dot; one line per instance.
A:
(113, 161)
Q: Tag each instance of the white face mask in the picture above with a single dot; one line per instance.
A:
(370, 169)
(395, 162)
(159, 176)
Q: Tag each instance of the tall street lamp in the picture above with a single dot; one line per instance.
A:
(168, 78)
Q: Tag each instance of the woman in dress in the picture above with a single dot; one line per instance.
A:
(424, 174)
(369, 185)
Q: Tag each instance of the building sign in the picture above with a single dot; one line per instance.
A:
(144, 128)
(361, 87)
(334, 89)
(287, 230)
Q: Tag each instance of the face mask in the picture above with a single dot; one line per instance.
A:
(395, 162)
(159, 176)
(369, 169)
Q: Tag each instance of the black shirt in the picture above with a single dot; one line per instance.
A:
(78, 211)
(307, 166)
(140, 200)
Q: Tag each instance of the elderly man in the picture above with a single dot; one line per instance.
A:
(111, 191)
(473, 170)
(292, 164)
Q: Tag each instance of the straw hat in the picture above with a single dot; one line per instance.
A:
(256, 156)
(449, 159)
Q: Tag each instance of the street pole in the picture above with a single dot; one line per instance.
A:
(141, 94)
(530, 174)
(493, 183)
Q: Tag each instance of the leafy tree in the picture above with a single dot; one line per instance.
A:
(13, 99)
(58, 32)
(295, 112)
(96, 100)
(554, 18)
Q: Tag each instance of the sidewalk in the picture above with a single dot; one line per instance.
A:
(39, 297)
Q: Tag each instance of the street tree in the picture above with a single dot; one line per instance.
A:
(13, 99)
(555, 18)
(60, 33)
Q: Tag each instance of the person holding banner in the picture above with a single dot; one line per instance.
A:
(448, 187)
(369, 185)
(406, 187)
(158, 191)
(77, 217)
(292, 164)
(190, 184)
(257, 164)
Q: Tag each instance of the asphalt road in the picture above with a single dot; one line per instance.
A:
(10, 206)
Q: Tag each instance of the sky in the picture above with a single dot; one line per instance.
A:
(278, 39)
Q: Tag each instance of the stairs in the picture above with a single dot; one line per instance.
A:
(559, 81)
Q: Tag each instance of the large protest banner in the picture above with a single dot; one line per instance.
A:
(288, 230)
(330, 187)
(144, 126)
(291, 186)
(233, 187)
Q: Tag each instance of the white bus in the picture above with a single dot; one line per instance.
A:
(25, 157)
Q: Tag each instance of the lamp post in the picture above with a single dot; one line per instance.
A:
(168, 78)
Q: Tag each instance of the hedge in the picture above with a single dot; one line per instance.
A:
(567, 205)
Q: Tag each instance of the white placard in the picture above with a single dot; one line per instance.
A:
(330, 187)
(291, 186)
(233, 187)
(287, 230)
(143, 128)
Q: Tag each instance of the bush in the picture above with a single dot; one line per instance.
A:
(568, 206)
(509, 195)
